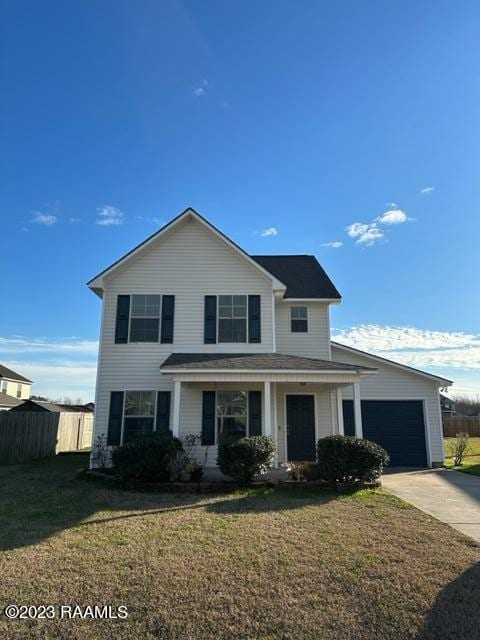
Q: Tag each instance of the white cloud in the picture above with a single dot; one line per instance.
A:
(270, 231)
(42, 345)
(44, 218)
(73, 220)
(372, 235)
(199, 92)
(419, 348)
(57, 379)
(58, 367)
(393, 216)
(333, 245)
(109, 215)
(427, 190)
(357, 229)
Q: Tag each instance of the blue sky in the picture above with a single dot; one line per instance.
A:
(299, 118)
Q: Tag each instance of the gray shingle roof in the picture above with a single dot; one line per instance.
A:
(11, 375)
(303, 276)
(9, 401)
(254, 361)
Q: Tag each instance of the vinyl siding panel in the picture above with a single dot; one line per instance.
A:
(188, 262)
(12, 389)
(313, 344)
(391, 383)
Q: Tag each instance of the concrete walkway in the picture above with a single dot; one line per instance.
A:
(451, 496)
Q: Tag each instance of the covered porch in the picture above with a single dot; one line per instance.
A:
(294, 400)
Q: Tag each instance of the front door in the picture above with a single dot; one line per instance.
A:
(300, 428)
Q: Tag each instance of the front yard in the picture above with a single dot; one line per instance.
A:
(265, 564)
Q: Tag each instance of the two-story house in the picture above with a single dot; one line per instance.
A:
(14, 388)
(199, 337)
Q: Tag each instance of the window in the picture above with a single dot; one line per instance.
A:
(232, 318)
(232, 413)
(145, 318)
(299, 319)
(19, 390)
(139, 414)
(4, 386)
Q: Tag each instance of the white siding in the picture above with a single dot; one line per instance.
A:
(313, 344)
(188, 262)
(12, 386)
(392, 383)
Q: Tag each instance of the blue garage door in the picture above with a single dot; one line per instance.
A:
(397, 425)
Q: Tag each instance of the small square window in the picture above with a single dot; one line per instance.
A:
(299, 319)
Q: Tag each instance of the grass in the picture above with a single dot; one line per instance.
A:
(471, 463)
(266, 564)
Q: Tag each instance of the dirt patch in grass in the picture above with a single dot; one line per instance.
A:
(268, 563)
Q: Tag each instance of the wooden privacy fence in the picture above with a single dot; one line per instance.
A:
(453, 425)
(30, 434)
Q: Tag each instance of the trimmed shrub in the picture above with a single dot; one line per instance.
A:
(246, 458)
(349, 459)
(149, 458)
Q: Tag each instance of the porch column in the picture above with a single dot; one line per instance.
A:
(341, 430)
(268, 408)
(275, 423)
(177, 390)
(357, 410)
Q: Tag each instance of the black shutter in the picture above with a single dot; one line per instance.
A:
(163, 411)
(210, 322)
(254, 332)
(208, 418)
(115, 418)
(254, 413)
(123, 314)
(168, 310)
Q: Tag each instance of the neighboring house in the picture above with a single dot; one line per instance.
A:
(13, 388)
(447, 405)
(199, 337)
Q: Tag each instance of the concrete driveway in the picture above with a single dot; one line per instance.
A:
(450, 496)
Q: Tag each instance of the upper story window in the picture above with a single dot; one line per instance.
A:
(4, 386)
(299, 319)
(19, 390)
(232, 318)
(145, 318)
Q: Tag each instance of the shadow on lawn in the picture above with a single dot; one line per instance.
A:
(455, 612)
(44, 497)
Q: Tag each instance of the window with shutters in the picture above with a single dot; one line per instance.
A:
(138, 414)
(232, 413)
(145, 318)
(299, 319)
(232, 318)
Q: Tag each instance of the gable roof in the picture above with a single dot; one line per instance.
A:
(254, 362)
(303, 275)
(96, 283)
(446, 382)
(11, 375)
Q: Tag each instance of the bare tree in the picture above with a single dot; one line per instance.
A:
(464, 405)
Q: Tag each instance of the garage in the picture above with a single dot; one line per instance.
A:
(397, 425)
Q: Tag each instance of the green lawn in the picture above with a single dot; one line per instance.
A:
(265, 564)
(471, 462)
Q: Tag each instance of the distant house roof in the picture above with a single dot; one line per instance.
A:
(302, 274)
(254, 361)
(12, 375)
(9, 401)
(42, 405)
